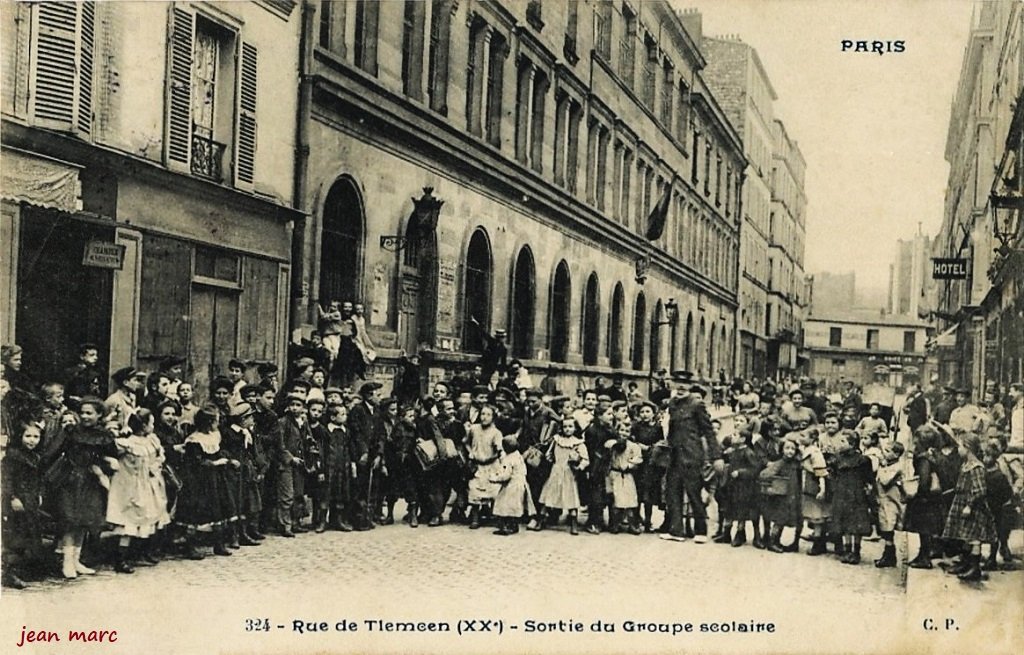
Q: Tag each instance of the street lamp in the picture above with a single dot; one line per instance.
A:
(425, 214)
(672, 319)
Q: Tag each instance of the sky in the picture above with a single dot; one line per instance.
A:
(871, 127)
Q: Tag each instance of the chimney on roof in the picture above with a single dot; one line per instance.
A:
(693, 21)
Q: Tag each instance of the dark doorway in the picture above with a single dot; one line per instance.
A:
(61, 303)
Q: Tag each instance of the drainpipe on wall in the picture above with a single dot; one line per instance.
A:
(305, 99)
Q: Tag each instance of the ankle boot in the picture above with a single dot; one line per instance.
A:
(740, 538)
(921, 561)
(222, 544)
(973, 572)
(888, 559)
(233, 537)
(68, 569)
(121, 564)
(414, 521)
(193, 553)
(573, 526)
(146, 554)
(80, 568)
(474, 517)
(819, 546)
(634, 522)
(614, 520)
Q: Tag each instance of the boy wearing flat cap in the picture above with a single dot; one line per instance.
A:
(366, 426)
(128, 381)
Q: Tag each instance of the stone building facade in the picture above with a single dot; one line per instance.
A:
(743, 88)
(550, 132)
(787, 299)
(981, 318)
(148, 181)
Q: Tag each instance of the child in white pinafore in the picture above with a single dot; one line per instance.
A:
(568, 454)
(626, 455)
(137, 503)
(513, 499)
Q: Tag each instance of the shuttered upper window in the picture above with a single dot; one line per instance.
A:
(210, 127)
(63, 48)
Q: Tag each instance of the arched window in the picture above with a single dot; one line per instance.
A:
(657, 319)
(639, 331)
(524, 301)
(478, 292)
(712, 360)
(341, 244)
(726, 349)
(702, 354)
(591, 320)
(688, 343)
(615, 327)
(561, 297)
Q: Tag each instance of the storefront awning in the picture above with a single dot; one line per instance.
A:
(40, 181)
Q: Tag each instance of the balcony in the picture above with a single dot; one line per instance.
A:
(207, 157)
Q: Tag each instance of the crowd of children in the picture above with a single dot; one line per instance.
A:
(162, 475)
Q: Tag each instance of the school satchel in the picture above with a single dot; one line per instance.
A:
(426, 454)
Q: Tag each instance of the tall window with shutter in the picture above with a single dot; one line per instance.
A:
(367, 14)
(210, 126)
(62, 65)
(437, 56)
(626, 46)
(245, 146)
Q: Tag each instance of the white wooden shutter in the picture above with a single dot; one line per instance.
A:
(178, 125)
(86, 53)
(53, 57)
(245, 137)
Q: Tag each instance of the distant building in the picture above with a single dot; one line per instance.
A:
(786, 238)
(909, 275)
(834, 291)
(865, 347)
(735, 74)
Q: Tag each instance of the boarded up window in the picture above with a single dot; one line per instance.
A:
(163, 319)
(258, 317)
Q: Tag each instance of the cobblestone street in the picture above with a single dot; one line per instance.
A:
(449, 573)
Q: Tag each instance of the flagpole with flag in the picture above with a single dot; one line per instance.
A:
(652, 232)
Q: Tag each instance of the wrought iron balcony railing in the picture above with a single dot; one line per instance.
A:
(207, 157)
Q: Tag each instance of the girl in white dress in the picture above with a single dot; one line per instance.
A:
(568, 454)
(137, 504)
(484, 445)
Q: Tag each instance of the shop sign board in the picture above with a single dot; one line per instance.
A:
(946, 268)
(103, 254)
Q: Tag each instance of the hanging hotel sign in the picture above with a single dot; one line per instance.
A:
(103, 254)
(949, 268)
